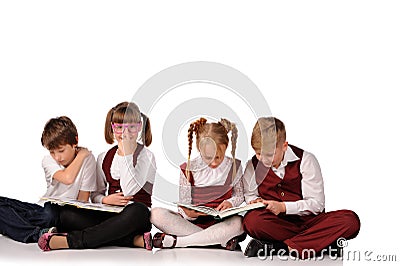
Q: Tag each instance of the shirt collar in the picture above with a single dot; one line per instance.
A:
(290, 156)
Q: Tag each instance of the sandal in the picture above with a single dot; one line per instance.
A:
(159, 238)
(232, 244)
(147, 241)
(44, 240)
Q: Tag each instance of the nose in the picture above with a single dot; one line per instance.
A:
(58, 157)
(215, 162)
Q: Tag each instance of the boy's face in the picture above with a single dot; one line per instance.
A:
(64, 154)
(272, 156)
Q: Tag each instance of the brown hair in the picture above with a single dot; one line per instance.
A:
(127, 112)
(59, 131)
(216, 131)
(268, 130)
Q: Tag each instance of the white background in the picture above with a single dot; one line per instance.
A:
(329, 70)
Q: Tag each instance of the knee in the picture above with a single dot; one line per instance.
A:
(157, 215)
(352, 222)
(136, 210)
(250, 224)
(236, 222)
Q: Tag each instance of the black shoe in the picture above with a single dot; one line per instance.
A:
(253, 247)
(265, 248)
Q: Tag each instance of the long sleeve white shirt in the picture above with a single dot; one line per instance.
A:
(312, 185)
(132, 178)
(204, 176)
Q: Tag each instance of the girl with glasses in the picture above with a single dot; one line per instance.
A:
(125, 177)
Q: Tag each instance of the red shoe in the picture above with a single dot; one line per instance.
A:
(158, 240)
(44, 240)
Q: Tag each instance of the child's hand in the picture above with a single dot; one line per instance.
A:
(276, 207)
(256, 200)
(192, 213)
(224, 205)
(83, 152)
(117, 199)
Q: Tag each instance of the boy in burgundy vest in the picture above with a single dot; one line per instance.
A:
(289, 182)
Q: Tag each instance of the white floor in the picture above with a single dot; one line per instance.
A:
(14, 253)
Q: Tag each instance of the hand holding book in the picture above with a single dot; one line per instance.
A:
(223, 213)
(192, 213)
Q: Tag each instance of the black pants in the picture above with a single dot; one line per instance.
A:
(92, 229)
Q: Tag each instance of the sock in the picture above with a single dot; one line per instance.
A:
(168, 241)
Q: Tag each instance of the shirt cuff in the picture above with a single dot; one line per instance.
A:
(291, 208)
(98, 199)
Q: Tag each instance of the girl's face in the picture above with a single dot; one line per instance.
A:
(126, 131)
(64, 154)
(213, 154)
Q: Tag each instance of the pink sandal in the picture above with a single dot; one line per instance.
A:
(148, 241)
(44, 240)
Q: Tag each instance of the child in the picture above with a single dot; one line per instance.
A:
(211, 179)
(128, 170)
(294, 194)
(70, 173)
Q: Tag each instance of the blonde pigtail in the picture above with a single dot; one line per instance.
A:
(231, 127)
(194, 127)
(190, 144)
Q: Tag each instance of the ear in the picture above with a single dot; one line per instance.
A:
(285, 146)
(76, 137)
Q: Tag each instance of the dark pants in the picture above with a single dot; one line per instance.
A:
(92, 229)
(302, 232)
(22, 221)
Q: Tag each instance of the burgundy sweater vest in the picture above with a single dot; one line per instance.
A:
(143, 195)
(272, 187)
(211, 196)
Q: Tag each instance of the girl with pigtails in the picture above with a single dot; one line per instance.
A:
(125, 177)
(212, 179)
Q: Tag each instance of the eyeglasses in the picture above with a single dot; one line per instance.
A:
(119, 128)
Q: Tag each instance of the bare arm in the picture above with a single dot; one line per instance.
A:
(67, 175)
(83, 196)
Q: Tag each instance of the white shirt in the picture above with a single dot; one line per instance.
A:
(204, 176)
(132, 178)
(85, 180)
(312, 185)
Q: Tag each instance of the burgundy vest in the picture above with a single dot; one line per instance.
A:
(143, 195)
(211, 196)
(272, 187)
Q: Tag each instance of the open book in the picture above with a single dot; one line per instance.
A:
(224, 213)
(85, 205)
